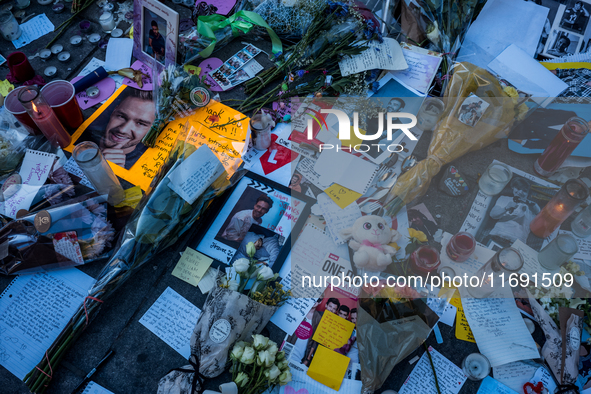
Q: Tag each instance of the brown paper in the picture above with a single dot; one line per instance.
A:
(571, 324)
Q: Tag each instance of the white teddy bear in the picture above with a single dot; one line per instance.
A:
(370, 238)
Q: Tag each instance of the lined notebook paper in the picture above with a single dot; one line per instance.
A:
(95, 388)
(33, 311)
(499, 329)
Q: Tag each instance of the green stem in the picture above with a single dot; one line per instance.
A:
(66, 23)
(433, 368)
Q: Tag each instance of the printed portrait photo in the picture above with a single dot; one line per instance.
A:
(576, 16)
(562, 43)
(266, 242)
(472, 110)
(154, 36)
(120, 127)
(252, 50)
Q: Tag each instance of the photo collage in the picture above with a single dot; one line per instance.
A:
(239, 68)
(569, 32)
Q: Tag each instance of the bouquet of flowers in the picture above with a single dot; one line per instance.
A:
(161, 217)
(499, 109)
(229, 317)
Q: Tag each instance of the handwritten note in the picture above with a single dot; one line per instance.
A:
(492, 386)
(333, 331)
(342, 196)
(451, 378)
(422, 66)
(195, 174)
(531, 265)
(146, 79)
(499, 329)
(463, 330)
(95, 388)
(192, 266)
(514, 375)
(384, 56)
(345, 169)
(328, 367)
(33, 29)
(301, 383)
(34, 309)
(34, 171)
(306, 168)
(337, 218)
(73, 168)
(172, 318)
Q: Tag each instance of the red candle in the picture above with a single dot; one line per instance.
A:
(425, 259)
(43, 116)
(460, 247)
(565, 142)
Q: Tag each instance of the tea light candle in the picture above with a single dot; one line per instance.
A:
(44, 2)
(50, 71)
(76, 40)
(58, 8)
(92, 92)
(57, 48)
(116, 33)
(476, 366)
(45, 54)
(85, 26)
(64, 56)
(94, 38)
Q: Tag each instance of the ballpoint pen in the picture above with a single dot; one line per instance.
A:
(87, 378)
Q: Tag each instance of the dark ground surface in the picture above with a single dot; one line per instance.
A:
(141, 358)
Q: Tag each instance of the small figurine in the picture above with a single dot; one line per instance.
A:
(369, 238)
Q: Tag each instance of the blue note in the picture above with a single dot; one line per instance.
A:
(492, 386)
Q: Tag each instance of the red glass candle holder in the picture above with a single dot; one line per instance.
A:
(559, 208)
(14, 107)
(460, 247)
(43, 116)
(565, 142)
(60, 95)
(425, 259)
(19, 66)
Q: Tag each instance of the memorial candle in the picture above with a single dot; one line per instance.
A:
(425, 259)
(43, 116)
(559, 208)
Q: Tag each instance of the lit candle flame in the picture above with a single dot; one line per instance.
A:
(34, 107)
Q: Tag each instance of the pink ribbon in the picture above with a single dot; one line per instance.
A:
(372, 245)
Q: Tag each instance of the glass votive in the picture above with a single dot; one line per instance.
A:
(494, 179)
(496, 272)
(9, 26)
(581, 225)
(476, 366)
(429, 113)
(107, 22)
(559, 208)
(425, 259)
(22, 4)
(76, 40)
(13, 106)
(460, 247)
(19, 66)
(85, 26)
(90, 159)
(558, 252)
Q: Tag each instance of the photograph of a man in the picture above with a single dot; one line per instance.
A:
(119, 129)
(575, 17)
(238, 227)
(157, 42)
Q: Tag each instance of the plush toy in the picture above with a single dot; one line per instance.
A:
(369, 238)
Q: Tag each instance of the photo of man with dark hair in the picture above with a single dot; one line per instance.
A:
(154, 36)
(343, 312)
(575, 17)
(560, 46)
(241, 221)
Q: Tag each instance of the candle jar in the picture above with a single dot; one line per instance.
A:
(85, 26)
(9, 26)
(558, 252)
(97, 170)
(494, 179)
(460, 247)
(581, 225)
(19, 67)
(260, 126)
(559, 208)
(495, 272)
(43, 116)
(425, 259)
(107, 22)
(571, 134)
(13, 106)
(22, 4)
(476, 366)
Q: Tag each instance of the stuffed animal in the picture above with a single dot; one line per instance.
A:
(369, 238)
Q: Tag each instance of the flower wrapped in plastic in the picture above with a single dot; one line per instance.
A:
(162, 216)
(217, 30)
(479, 110)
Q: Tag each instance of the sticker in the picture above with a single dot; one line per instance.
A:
(42, 221)
(304, 330)
(200, 96)
(220, 331)
(471, 110)
(67, 248)
(575, 338)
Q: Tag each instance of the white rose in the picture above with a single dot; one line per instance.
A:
(273, 373)
(241, 265)
(265, 273)
(237, 352)
(283, 365)
(285, 377)
(272, 349)
(260, 342)
(250, 249)
(433, 35)
(265, 358)
(241, 379)
(247, 356)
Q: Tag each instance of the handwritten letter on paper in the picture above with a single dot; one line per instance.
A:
(384, 56)
(172, 318)
(333, 331)
(192, 266)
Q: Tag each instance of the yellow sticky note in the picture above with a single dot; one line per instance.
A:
(133, 195)
(463, 330)
(328, 367)
(354, 140)
(192, 266)
(333, 331)
(5, 87)
(341, 195)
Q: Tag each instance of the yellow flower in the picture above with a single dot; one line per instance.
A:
(419, 235)
(510, 91)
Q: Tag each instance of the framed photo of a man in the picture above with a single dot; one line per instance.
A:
(258, 211)
(156, 28)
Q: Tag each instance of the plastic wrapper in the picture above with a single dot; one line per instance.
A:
(289, 21)
(14, 141)
(387, 332)
(454, 138)
(215, 31)
(161, 217)
(209, 352)
(67, 235)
